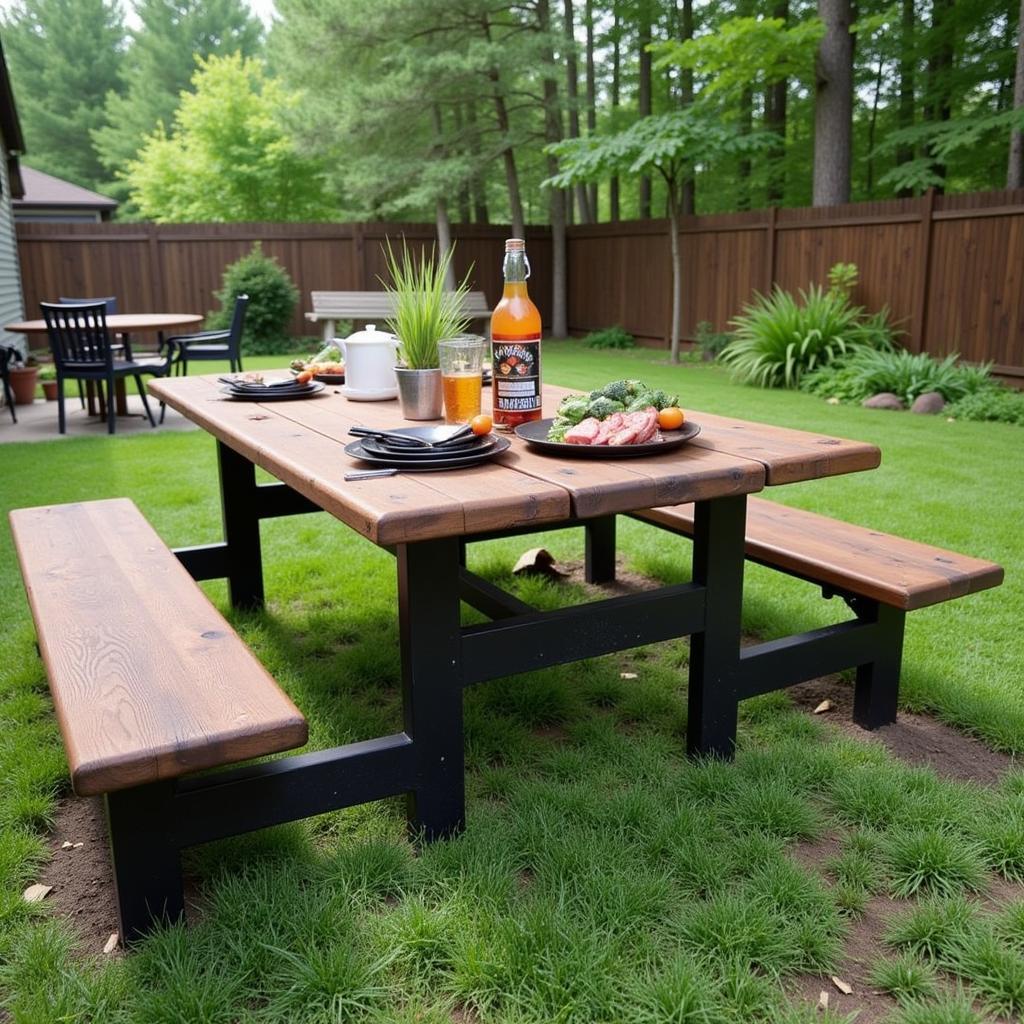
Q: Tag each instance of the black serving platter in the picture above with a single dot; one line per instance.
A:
(535, 433)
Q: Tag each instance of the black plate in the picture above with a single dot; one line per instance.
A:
(273, 394)
(329, 378)
(357, 451)
(536, 434)
(408, 453)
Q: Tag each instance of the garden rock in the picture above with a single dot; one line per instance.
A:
(884, 400)
(929, 403)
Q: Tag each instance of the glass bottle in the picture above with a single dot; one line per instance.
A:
(515, 345)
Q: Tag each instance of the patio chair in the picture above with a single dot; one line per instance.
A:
(211, 345)
(110, 301)
(82, 350)
(7, 355)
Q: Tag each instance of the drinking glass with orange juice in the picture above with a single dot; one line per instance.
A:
(461, 376)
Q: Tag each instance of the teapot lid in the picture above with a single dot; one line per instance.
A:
(369, 336)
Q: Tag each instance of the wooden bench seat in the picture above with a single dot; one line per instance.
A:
(148, 679)
(852, 559)
(328, 307)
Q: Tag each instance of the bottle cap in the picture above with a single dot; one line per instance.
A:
(515, 245)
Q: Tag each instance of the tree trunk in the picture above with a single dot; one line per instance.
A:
(477, 184)
(644, 94)
(677, 271)
(908, 65)
(613, 187)
(556, 196)
(572, 93)
(775, 102)
(689, 196)
(515, 202)
(465, 214)
(871, 127)
(591, 99)
(746, 125)
(833, 105)
(1015, 165)
(939, 72)
(444, 241)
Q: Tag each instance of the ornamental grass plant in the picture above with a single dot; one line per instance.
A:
(426, 311)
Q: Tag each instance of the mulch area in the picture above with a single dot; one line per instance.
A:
(83, 886)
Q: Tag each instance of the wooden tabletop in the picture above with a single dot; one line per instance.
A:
(123, 323)
(301, 442)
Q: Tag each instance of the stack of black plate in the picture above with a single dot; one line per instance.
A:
(383, 451)
(270, 391)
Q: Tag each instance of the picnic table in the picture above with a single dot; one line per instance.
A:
(171, 691)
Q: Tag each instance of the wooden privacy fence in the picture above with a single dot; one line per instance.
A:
(949, 267)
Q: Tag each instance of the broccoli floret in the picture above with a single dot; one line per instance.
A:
(602, 408)
(596, 393)
(559, 429)
(573, 408)
(621, 390)
(642, 401)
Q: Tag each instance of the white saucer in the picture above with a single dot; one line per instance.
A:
(371, 395)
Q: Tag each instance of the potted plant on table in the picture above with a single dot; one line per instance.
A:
(24, 373)
(425, 313)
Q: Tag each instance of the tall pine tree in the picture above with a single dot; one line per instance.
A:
(64, 57)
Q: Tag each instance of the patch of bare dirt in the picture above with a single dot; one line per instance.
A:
(916, 739)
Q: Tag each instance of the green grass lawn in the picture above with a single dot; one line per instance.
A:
(602, 877)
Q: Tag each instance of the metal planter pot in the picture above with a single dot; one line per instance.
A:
(420, 393)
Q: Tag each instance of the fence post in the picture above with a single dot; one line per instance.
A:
(773, 216)
(918, 338)
(156, 274)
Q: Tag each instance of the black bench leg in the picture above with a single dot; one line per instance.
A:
(430, 632)
(714, 653)
(241, 528)
(600, 550)
(878, 682)
(147, 863)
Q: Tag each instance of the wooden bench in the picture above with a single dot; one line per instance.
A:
(328, 307)
(880, 576)
(149, 683)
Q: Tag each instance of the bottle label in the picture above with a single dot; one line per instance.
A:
(516, 370)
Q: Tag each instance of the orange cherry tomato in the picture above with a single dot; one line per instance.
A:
(481, 424)
(671, 418)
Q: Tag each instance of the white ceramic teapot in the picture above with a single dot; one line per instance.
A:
(370, 357)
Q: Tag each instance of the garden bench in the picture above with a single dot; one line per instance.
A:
(880, 576)
(149, 683)
(329, 307)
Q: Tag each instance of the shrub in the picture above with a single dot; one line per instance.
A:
(990, 404)
(272, 299)
(909, 374)
(709, 341)
(610, 337)
(778, 339)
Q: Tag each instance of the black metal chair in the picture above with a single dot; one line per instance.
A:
(82, 350)
(213, 345)
(7, 356)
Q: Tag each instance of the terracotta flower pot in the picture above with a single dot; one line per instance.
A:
(49, 390)
(23, 384)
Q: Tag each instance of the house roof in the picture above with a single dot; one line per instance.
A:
(10, 128)
(46, 190)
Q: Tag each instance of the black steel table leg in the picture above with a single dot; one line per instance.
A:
(878, 682)
(431, 645)
(718, 558)
(600, 549)
(146, 860)
(240, 510)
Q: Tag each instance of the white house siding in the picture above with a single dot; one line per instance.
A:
(10, 273)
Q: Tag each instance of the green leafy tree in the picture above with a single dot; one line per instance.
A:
(159, 66)
(670, 145)
(229, 157)
(64, 57)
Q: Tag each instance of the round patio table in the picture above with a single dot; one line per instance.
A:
(121, 323)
